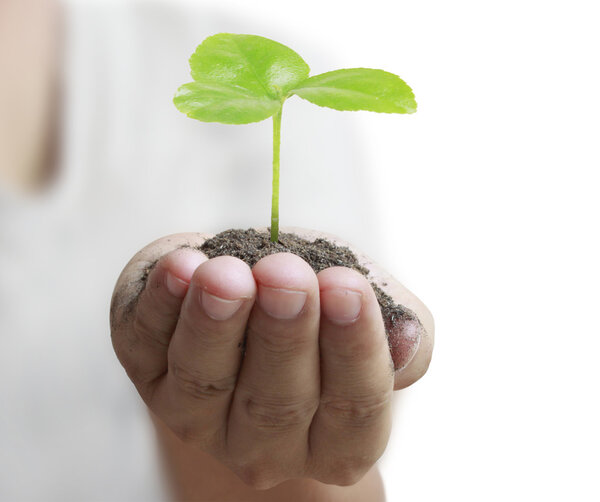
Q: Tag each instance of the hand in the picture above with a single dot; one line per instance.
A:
(309, 397)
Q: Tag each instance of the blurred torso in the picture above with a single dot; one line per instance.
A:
(130, 169)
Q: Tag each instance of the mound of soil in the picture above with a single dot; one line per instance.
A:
(250, 246)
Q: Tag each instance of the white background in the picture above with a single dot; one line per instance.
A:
(486, 204)
(487, 207)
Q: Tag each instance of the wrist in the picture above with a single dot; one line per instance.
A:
(195, 475)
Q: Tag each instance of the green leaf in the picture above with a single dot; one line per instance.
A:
(262, 66)
(220, 102)
(358, 89)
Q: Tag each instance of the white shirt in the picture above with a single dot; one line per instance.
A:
(72, 426)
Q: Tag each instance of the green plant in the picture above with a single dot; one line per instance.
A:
(240, 79)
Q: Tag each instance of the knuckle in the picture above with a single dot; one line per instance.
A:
(347, 472)
(141, 376)
(279, 349)
(279, 416)
(360, 349)
(139, 373)
(146, 332)
(186, 433)
(196, 434)
(257, 477)
(357, 412)
(201, 331)
(195, 385)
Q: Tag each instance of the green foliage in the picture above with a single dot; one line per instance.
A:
(225, 103)
(262, 66)
(239, 79)
(358, 89)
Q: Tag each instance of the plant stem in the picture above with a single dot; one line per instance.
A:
(275, 197)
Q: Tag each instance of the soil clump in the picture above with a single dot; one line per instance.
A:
(250, 246)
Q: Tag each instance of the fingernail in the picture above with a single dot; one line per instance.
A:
(217, 308)
(341, 306)
(281, 303)
(176, 286)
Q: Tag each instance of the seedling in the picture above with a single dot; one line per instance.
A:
(239, 79)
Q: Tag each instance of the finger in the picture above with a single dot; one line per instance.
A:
(419, 331)
(142, 347)
(278, 387)
(205, 351)
(410, 329)
(410, 326)
(352, 425)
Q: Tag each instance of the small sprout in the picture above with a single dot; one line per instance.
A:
(239, 79)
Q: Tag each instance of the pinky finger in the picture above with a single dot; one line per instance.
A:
(142, 325)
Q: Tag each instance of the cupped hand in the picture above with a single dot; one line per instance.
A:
(275, 371)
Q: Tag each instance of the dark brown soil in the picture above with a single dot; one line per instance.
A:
(250, 246)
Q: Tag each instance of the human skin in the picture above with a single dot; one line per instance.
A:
(26, 165)
(305, 412)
